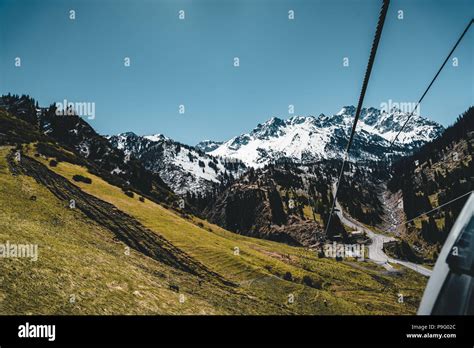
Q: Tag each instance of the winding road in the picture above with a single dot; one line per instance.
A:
(376, 252)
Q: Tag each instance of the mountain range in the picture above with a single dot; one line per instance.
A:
(299, 139)
(308, 139)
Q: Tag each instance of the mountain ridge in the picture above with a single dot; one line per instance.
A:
(310, 138)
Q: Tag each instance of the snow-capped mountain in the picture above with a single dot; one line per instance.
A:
(308, 138)
(182, 167)
(301, 139)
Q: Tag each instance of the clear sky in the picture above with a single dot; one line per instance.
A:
(190, 61)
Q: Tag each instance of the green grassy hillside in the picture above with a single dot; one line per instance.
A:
(80, 257)
(81, 269)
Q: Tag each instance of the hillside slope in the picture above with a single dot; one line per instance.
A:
(438, 173)
(77, 136)
(82, 268)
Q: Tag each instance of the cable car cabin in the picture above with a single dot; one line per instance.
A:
(450, 290)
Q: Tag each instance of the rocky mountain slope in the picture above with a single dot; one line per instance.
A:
(208, 145)
(439, 172)
(184, 168)
(76, 135)
(290, 203)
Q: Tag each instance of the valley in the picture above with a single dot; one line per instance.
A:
(160, 227)
(261, 267)
(376, 247)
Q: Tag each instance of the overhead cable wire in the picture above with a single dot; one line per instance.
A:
(373, 51)
(431, 83)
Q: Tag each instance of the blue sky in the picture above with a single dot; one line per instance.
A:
(190, 62)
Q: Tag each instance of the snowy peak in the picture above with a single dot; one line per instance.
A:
(156, 137)
(347, 110)
(271, 128)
